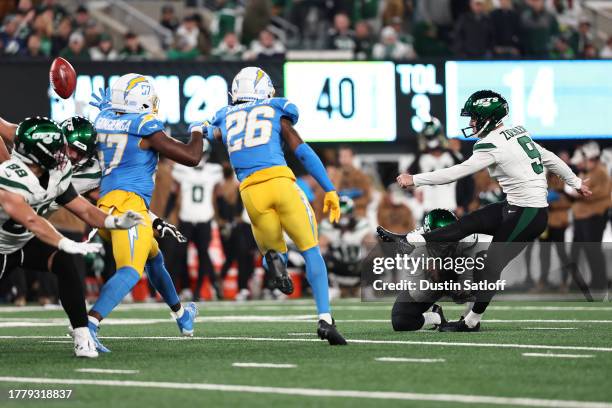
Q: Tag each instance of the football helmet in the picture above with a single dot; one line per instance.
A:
(134, 93)
(487, 109)
(40, 141)
(432, 136)
(80, 136)
(251, 84)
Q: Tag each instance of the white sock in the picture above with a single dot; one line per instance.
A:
(472, 319)
(431, 318)
(179, 313)
(468, 309)
(326, 316)
(416, 239)
(80, 332)
(93, 320)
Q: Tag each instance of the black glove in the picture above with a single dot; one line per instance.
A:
(164, 228)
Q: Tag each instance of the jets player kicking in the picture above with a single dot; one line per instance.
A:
(36, 176)
(518, 164)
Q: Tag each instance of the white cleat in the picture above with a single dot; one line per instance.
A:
(84, 345)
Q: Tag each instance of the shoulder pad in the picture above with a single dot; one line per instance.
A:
(287, 109)
(146, 124)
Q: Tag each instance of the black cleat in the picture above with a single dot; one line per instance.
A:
(458, 326)
(280, 277)
(399, 239)
(438, 309)
(328, 332)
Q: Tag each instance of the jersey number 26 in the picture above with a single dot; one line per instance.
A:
(242, 127)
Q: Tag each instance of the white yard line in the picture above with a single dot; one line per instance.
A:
(263, 365)
(319, 392)
(352, 341)
(410, 360)
(302, 334)
(558, 355)
(549, 328)
(105, 371)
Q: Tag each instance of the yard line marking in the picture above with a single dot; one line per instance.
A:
(354, 341)
(558, 355)
(320, 392)
(106, 371)
(410, 360)
(549, 328)
(264, 365)
(301, 334)
(57, 341)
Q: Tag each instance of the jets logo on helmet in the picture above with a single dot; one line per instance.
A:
(134, 93)
(46, 138)
(486, 110)
(251, 84)
(40, 141)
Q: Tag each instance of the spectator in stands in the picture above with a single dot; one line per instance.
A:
(104, 51)
(427, 42)
(341, 37)
(92, 34)
(393, 10)
(538, 29)
(76, 47)
(390, 47)
(188, 32)
(363, 41)
(204, 36)
(505, 26)
(182, 49)
(81, 17)
(230, 48)
(589, 52)
(257, 15)
(34, 49)
(584, 36)
(42, 26)
(132, 49)
(562, 49)
(438, 13)
(168, 18)
(59, 40)
(473, 32)
(11, 41)
(353, 182)
(606, 51)
(393, 212)
(266, 47)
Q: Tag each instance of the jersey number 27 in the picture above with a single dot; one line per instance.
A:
(242, 127)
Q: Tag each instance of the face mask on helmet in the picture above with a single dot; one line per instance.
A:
(486, 110)
(251, 84)
(80, 136)
(134, 93)
(40, 141)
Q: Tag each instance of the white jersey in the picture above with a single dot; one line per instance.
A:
(16, 177)
(440, 196)
(197, 185)
(346, 246)
(515, 160)
(84, 179)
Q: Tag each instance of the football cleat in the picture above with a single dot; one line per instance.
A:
(458, 326)
(187, 321)
(93, 331)
(328, 332)
(278, 270)
(438, 309)
(84, 346)
(400, 240)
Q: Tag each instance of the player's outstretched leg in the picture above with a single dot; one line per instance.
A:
(316, 273)
(112, 293)
(276, 264)
(162, 282)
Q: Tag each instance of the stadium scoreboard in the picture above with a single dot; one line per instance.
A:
(379, 101)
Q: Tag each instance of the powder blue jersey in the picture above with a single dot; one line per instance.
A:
(125, 166)
(252, 133)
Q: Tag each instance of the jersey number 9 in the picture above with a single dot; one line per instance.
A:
(242, 127)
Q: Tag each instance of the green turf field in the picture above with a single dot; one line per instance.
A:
(509, 363)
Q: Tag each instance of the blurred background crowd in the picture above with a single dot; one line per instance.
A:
(259, 29)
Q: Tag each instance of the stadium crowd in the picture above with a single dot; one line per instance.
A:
(366, 29)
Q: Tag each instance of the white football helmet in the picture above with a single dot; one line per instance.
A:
(251, 84)
(134, 93)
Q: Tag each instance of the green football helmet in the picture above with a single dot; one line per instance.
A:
(347, 211)
(438, 218)
(80, 136)
(488, 109)
(432, 136)
(40, 141)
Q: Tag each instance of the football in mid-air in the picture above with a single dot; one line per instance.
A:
(62, 77)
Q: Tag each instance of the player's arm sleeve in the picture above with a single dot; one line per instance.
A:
(314, 166)
(147, 125)
(288, 109)
(67, 196)
(480, 159)
(553, 163)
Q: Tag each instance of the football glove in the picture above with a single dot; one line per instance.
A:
(199, 126)
(124, 221)
(331, 204)
(164, 229)
(103, 101)
(79, 248)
